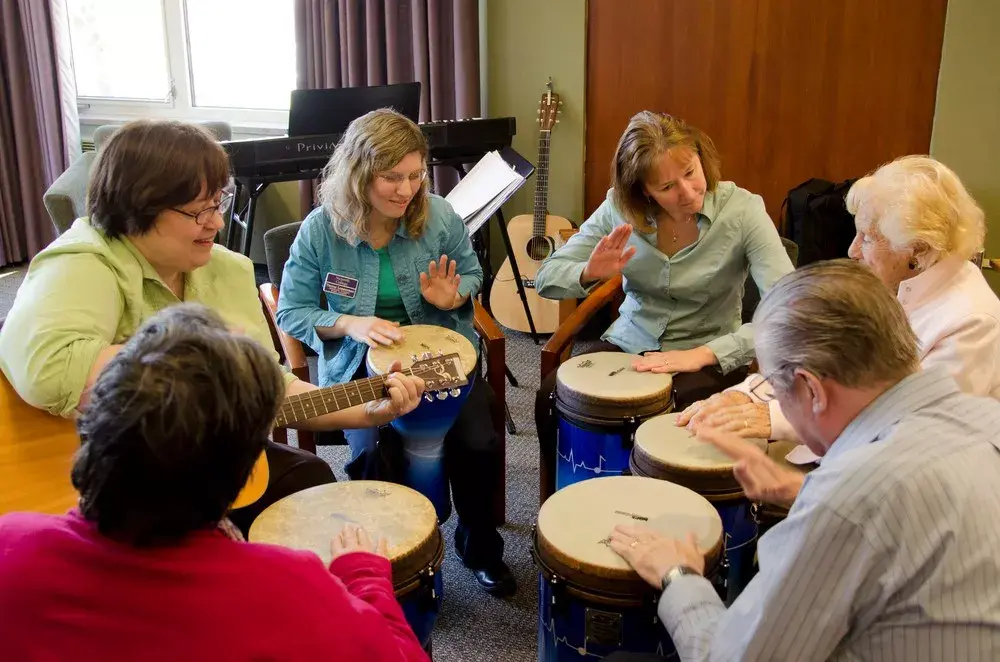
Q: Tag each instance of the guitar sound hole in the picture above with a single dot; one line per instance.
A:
(540, 248)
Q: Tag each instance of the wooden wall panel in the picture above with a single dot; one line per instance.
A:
(787, 89)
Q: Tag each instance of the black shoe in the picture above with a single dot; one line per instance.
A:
(496, 579)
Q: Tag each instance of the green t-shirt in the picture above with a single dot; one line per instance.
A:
(388, 302)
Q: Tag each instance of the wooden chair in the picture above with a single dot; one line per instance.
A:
(277, 242)
(559, 347)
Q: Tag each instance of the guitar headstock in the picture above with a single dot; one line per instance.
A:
(440, 372)
(548, 108)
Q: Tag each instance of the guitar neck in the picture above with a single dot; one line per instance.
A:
(329, 399)
(542, 184)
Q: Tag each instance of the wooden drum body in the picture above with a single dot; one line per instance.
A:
(590, 602)
(310, 519)
(423, 429)
(600, 401)
(769, 514)
(667, 452)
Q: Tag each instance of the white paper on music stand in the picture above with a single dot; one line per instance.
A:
(488, 180)
(478, 219)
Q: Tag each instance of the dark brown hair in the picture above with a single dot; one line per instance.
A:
(148, 166)
(175, 423)
(648, 136)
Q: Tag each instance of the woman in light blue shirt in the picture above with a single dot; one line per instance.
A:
(382, 252)
(683, 242)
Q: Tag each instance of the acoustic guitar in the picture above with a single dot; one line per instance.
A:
(37, 448)
(533, 238)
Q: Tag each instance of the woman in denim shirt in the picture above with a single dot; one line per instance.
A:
(683, 242)
(383, 253)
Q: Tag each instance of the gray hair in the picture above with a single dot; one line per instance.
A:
(175, 423)
(917, 202)
(835, 320)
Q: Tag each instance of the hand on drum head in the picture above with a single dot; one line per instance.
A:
(439, 285)
(609, 256)
(373, 331)
(688, 360)
(653, 554)
(353, 538)
(729, 411)
(762, 478)
(404, 396)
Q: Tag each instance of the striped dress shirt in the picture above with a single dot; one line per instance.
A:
(890, 552)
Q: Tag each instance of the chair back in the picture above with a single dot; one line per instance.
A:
(277, 244)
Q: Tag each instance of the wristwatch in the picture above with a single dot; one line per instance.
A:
(674, 573)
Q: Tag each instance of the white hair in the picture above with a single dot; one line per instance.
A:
(918, 203)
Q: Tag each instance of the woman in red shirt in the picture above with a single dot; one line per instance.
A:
(143, 570)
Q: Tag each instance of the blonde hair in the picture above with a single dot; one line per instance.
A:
(373, 143)
(836, 320)
(917, 202)
(647, 137)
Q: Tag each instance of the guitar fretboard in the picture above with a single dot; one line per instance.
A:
(330, 399)
(541, 184)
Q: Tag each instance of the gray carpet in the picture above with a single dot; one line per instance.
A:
(10, 280)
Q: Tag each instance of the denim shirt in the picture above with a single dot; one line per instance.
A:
(693, 298)
(317, 252)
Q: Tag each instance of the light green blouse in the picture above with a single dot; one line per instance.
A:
(85, 292)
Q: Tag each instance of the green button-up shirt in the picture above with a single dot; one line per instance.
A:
(693, 298)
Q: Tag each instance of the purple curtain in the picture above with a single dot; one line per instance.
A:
(352, 43)
(32, 151)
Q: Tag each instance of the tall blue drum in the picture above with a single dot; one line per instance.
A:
(590, 602)
(423, 429)
(665, 451)
(600, 401)
(310, 519)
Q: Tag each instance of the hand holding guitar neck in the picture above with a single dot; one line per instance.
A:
(609, 256)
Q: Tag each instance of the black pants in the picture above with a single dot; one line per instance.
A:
(474, 465)
(291, 470)
(689, 387)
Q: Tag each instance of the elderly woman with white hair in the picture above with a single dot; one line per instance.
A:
(917, 230)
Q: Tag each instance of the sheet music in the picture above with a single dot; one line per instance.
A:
(487, 186)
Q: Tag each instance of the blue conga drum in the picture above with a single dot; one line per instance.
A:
(664, 451)
(423, 429)
(600, 401)
(308, 520)
(590, 602)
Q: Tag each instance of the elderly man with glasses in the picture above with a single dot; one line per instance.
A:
(889, 550)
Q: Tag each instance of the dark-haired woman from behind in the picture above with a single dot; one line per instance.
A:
(141, 570)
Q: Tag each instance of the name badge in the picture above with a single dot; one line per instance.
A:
(341, 285)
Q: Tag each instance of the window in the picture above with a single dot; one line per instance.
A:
(231, 60)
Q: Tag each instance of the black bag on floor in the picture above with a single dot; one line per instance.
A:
(816, 218)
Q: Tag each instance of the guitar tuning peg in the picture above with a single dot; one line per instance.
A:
(455, 392)
(441, 395)
(560, 103)
(428, 397)
(427, 355)
(440, 353)
(413, 357)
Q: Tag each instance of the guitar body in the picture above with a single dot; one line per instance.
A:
(36, 455)
(529, 251)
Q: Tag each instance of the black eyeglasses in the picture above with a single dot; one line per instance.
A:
(761, 388)
(203, 216)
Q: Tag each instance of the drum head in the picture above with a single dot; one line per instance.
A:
(418, 339)
(603, 385)
(663, 450)
(310, 519)
(575, 523)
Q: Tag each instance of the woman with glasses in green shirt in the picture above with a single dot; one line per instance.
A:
(683, 241)
(156, 201)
